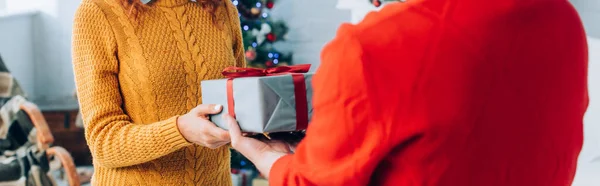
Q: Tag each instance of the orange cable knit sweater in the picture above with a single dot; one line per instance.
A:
(135, 76)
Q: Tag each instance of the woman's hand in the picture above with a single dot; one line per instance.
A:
(196, 128)
(262, 154)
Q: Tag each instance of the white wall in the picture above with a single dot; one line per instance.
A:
(2, 4)
(54, 80)
(312, 24)
(16, 47)
(358, 8)
(589, 10)
(588, 170)
(47, 76)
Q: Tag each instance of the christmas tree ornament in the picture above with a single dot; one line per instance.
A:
(270, 4)
(257, 28)
(255, 11)
(376, 3)
(250, 55)
(271, 37)
(261, 34)
(269, 63)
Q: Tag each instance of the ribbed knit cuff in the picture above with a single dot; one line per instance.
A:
(170, 133)
(279, 170)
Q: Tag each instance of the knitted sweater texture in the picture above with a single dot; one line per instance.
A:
(136, 75)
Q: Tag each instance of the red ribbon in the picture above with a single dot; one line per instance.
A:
(299, 87)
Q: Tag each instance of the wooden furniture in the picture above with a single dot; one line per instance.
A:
(67, 164)
(45, 139)
(68, 136)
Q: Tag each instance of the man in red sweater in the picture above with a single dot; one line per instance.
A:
(443, 93)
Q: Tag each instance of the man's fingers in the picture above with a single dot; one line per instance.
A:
(234, 129)
(247, 146)
(205, 109)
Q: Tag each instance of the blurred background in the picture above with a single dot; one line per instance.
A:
(35, 45)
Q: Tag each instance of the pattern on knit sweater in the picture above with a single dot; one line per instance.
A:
(179, 24)
(138, 60)
(190, 53)
(134, 77)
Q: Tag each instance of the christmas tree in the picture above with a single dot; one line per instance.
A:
(260, 32)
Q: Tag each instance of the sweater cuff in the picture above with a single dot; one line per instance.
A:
(170, 132)
(279, 171)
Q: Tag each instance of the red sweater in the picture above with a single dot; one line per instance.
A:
(448, 93)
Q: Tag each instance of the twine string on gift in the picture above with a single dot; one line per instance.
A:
(299, 87)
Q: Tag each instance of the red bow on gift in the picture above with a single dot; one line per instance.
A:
(235, 72)
(299, 87)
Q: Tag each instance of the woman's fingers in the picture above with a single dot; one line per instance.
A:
(205, 109)
(223, 143)
(218, 133)
(216, 144)
(196, 127)
(213, 142)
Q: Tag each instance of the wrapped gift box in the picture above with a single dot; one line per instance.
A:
(241, 177)
(263, 104)
(260, 182)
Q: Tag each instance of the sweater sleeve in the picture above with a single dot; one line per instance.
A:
(238, 41)
(344, 142)
(114, 140)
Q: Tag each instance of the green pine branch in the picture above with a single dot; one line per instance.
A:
(253, 14)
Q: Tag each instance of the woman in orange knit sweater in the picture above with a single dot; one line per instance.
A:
(443, 93)
(138, 69)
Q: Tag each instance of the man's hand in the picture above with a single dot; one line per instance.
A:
(262, 154)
